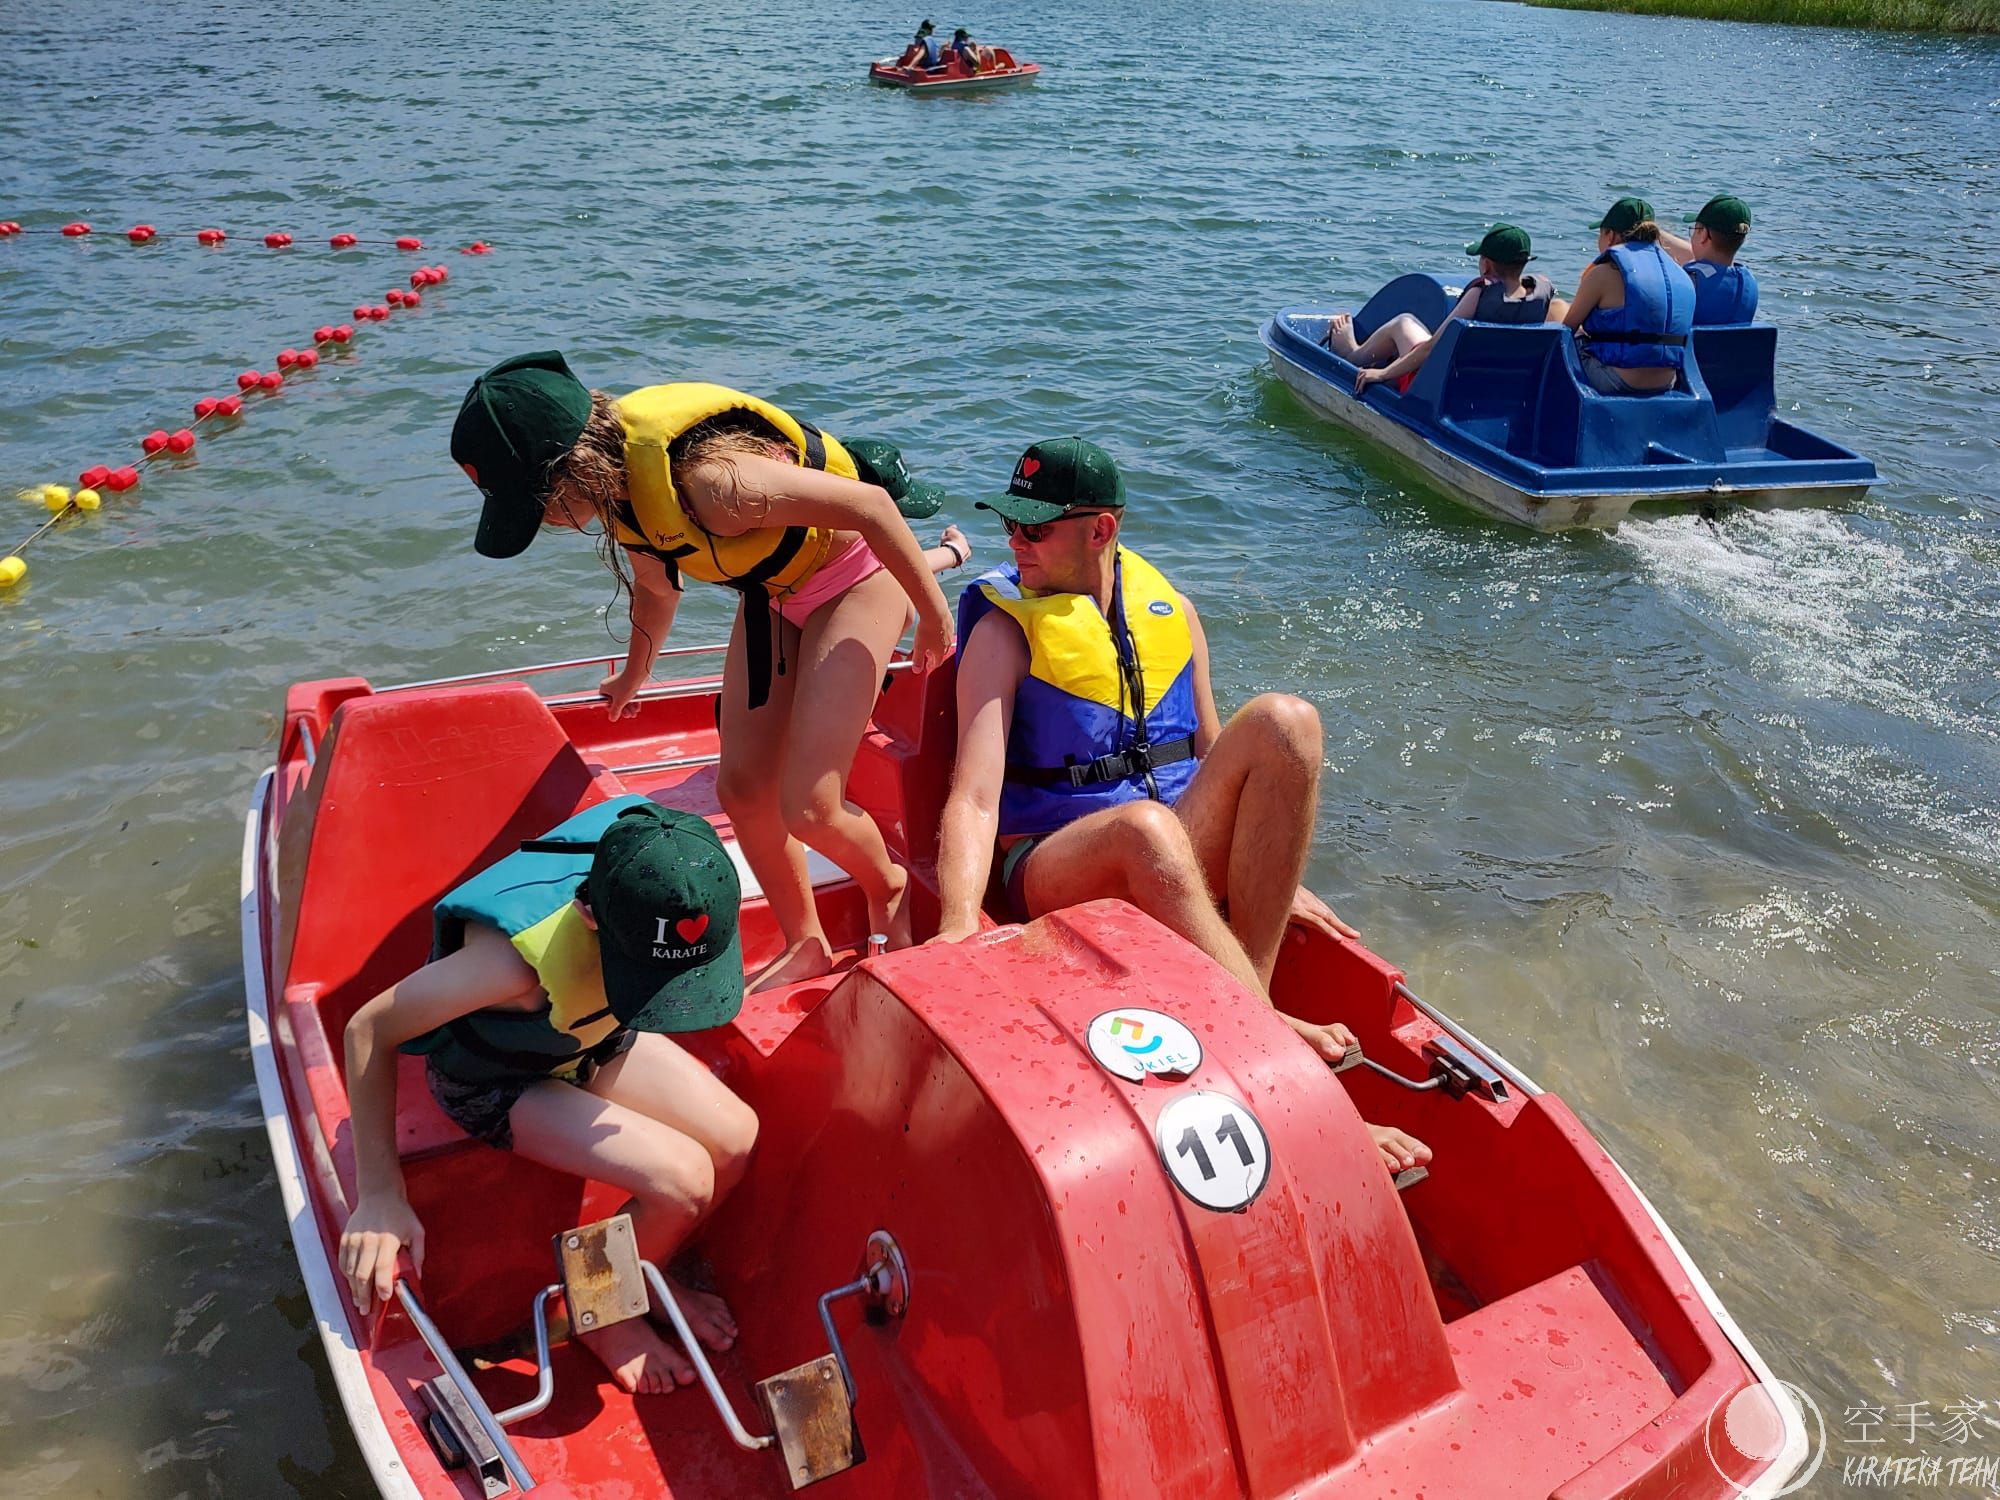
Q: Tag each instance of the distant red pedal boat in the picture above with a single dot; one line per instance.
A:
(955, 77)
(1061, 1212)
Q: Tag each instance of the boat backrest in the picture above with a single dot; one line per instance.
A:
(1738, 364)
(1670, 427)
(409, 795)
(1423, 296)
(1487, 379)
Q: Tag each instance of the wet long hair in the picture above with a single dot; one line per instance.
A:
(590, 479)
(1645, 232)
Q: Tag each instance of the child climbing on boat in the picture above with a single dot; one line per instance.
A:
(541, 1017)
(707, 482)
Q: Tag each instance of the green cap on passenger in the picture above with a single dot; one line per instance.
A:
(1725, 214)
(665, 895)
(1624, 216)
(1058, 475)
(1505, 244)
(517, 419)
(881, 462)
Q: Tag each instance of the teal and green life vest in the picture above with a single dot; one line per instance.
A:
(530, 897)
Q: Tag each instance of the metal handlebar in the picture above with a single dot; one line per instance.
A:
(448, 1361)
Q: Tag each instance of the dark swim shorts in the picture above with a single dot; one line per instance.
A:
(1013, 865)
(483, 1110)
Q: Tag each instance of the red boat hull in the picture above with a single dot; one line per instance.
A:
(1519, 1324)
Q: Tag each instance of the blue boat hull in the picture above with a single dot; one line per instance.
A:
(1501, 418)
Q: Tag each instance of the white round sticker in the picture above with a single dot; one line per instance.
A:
(1214, 1150)
(1133, 1043)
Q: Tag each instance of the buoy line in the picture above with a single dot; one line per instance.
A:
(146, 234)
(92, 482)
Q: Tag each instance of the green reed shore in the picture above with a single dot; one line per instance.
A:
(1964, 16)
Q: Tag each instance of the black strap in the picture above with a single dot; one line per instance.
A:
(558, 846)
(1674, 340)
(815, 445)
(760, 640)
(464, 1031)
(1120, 765)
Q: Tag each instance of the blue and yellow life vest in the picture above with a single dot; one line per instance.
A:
(1722, 294)
(1107, 711)
(529, 896)
(1650, 331)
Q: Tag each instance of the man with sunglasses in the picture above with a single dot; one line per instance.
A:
(1091, 755)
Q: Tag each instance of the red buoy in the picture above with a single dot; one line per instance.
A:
(361, 313)
(180, 442)
(277, 241)
(118, 481)
(270, 380)
(477, 247)
(210, 236)
(343, 333)
(9, 227)
(378, 312)
(76, 231)
(287, 358)
(409, 242)
(308, 358)
(394, 297)
(322, 333)
(205, 407)
(229, 406)
(412, 299)
(154, 441)
(439, 273)
(138, 234)
(247, 381)
(343, 241)
(92, 477)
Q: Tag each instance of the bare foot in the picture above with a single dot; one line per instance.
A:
(1399, 1151)
(893, 917)
(638, 1358)
(808, 958)
(707, 1314)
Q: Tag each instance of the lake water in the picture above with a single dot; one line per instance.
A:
(1697, 825)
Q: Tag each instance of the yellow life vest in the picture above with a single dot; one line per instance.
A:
(778, 557)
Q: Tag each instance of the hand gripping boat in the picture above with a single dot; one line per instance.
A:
(1501, 418)
(954, 77)
(1061, 1211)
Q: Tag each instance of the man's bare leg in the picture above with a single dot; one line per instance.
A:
(1249, 816)
(1138, 851)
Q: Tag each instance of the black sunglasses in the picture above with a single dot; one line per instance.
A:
(1035, 531)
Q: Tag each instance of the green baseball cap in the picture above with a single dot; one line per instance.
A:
(1057, 475)
(1506, 244)
(518, 418)
(881, 462)
(1725, 213)
(1625, 215)
(665, 896)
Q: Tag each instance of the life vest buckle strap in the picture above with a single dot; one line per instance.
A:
(1120, 765)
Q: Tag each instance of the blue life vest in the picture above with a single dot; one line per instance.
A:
(933, 52)
(1722, 294)
(527, 896)
(1107, 711)
(1494, 306)
(1650, 331)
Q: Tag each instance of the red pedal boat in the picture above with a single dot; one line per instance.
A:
(954, 77)
(1061, 1211)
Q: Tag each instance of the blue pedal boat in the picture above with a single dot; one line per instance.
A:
(1501, 418)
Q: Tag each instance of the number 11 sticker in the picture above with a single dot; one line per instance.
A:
(1214, 1150)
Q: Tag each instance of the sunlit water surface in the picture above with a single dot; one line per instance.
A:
(1697, 824)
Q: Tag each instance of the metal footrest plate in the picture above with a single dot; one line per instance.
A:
(813, 1421)
(602, 1282)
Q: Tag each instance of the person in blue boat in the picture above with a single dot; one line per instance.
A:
(1502, 292)
(1093, 761)
(1724, 292)
(925, 50)
(1633, 308)
(555, 976)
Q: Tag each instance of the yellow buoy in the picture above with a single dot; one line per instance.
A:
(88, 499)
(12, 571)
(55, 497)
